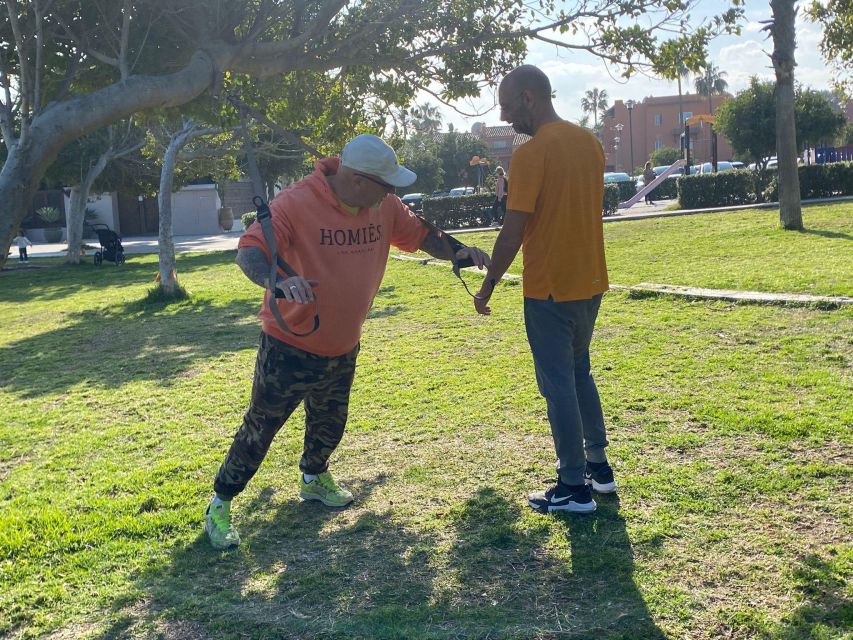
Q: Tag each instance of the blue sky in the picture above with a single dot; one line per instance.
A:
(572, 74)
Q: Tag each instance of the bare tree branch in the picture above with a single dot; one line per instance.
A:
(23, 70)
(260, 117)
(125, 37)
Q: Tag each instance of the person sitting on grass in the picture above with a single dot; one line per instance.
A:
(335, 228)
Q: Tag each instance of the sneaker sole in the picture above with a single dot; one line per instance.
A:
(608, 487)
(324, 501)
(572, 507)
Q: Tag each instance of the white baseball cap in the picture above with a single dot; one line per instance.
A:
(369, 154)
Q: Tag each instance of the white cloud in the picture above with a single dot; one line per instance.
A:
(573, 73)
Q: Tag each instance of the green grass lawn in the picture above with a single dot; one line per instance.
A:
(739, 250)
(730, 429)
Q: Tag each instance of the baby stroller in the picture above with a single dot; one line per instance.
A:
(110, 242)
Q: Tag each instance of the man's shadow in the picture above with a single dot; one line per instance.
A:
(301, 570)
(589, 592)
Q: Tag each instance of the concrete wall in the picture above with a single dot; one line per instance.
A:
(195, 210)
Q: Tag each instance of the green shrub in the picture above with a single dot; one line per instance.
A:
(841, 174)
(459, 212)
(725, 189)
(611, 198)
(248, 218)
(817, 181)
(627, 190)
(48, 214)
(666, 190)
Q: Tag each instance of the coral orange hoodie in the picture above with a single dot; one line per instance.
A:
(345, 253)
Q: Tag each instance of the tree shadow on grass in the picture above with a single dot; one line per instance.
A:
(827, 234)
(110, 347)
(55, 281)
(306, 571)
(298, 573)
(827, 610)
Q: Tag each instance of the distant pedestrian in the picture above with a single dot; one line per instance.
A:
(649, 176)
(501, 192)
(22, 242)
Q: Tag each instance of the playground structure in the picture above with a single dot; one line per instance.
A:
(684, 162)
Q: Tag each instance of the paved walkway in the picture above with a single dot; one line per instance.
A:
(228, 241)
(141, 244)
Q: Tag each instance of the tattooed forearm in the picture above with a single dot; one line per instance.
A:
(437, 247)
(254, 264)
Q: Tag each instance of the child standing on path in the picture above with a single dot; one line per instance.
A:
(22, 242)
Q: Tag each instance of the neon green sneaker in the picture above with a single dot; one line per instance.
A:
(217, 525)
(325, 489)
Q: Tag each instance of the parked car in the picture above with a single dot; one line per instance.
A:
(722, 165)
(738, 165)
(641, 182)
(461, 191)
(616, 176)
(415, 201)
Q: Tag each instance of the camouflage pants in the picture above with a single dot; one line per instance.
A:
(284, 377)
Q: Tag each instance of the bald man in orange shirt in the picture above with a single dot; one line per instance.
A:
(554, 212)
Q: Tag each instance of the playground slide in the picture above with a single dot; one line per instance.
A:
(649, 187)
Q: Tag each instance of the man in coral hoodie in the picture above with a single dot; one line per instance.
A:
(335, 228)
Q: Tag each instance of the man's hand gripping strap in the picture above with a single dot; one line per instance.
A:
(277, 262)
(454, 246)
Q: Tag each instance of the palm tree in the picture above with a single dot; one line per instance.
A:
(710, 83)
(677, 72)
(595, 101)
(427, 118)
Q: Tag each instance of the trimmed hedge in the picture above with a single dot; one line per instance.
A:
(611, 198)
(459, 212)
(732, 188)
(818, 181)
(666, 190)
(716, 189)
(627, 189)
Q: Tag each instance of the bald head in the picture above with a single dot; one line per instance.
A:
(525, 99)
(529, 78)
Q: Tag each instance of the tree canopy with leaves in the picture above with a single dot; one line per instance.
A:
(836, 20)
(69, 68)
(711, 82)
(748, 120)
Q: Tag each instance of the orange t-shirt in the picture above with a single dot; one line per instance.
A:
(345, 253)
(558, 178)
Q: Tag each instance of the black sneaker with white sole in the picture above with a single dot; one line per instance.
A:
(600, 476)
(563, 497)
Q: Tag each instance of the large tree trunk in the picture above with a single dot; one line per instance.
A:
(76, 218)
(24, 167)
(784, 44)
(168, 274)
